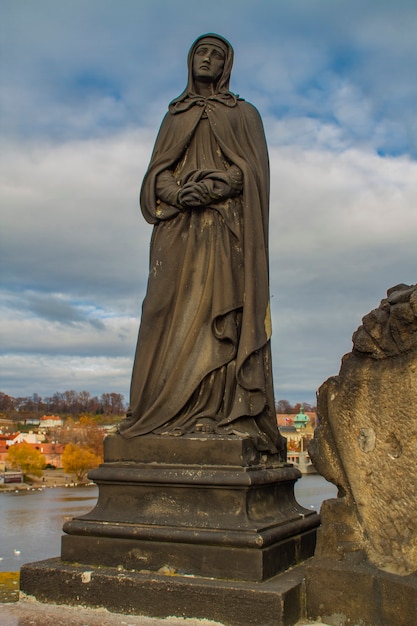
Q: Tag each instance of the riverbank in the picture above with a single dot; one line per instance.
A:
(49, 479)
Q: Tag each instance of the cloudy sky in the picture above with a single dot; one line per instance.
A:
(84, 86)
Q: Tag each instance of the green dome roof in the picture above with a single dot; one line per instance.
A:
(301, 419)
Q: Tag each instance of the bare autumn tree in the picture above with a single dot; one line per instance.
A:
(85, 432)
(283, 406)
(112, 403)
(6, 402)
(67, 403)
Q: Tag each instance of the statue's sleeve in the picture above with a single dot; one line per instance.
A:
(170, 144)
(167, 187)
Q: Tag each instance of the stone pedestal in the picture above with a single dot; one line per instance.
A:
(190, 526)
(212, 507)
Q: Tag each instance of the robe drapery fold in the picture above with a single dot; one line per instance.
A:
(203, 348)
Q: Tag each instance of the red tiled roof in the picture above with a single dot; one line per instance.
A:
(51, 448)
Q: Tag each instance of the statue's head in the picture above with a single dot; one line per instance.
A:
(210, 59)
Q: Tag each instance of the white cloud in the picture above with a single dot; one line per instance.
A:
(342, 232)
(354, 199)
(71, 214)
(24, 333)
(27, 374)
(83, 92)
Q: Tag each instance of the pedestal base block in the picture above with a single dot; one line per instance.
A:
(278, 602)
(188, 559)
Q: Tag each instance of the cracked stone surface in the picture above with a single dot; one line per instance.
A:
(367, 441)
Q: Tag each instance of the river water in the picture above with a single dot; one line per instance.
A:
(31, 521)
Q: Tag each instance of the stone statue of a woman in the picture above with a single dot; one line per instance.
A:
(203, 360)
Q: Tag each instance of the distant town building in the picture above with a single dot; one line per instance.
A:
(51, 451)
(11, 477)
(51, 421)
(298, 430)
(30, 437)
(3, 451)
(301, 420)
(6, 424)
(32, 421)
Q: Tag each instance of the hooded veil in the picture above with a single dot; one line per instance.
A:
(222, 86)
(203, 349)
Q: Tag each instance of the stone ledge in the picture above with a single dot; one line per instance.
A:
(215, 450)
(359, 593)
(276, 602)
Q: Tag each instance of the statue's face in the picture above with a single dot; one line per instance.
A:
(208, 63)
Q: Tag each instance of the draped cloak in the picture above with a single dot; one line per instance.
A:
(203, 347)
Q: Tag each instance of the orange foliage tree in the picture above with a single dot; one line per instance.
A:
(29, 460)
(77, 460)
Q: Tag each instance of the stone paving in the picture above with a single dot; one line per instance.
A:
(31, 613)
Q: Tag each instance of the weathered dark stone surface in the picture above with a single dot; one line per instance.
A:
(366, 445)
(343, 593)
(203, 356)
(199, 529)
(230, 520)
(277, 602)
(186, 450)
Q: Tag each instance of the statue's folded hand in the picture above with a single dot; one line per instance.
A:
(194, 195)
(218, 189)
(203, 193)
